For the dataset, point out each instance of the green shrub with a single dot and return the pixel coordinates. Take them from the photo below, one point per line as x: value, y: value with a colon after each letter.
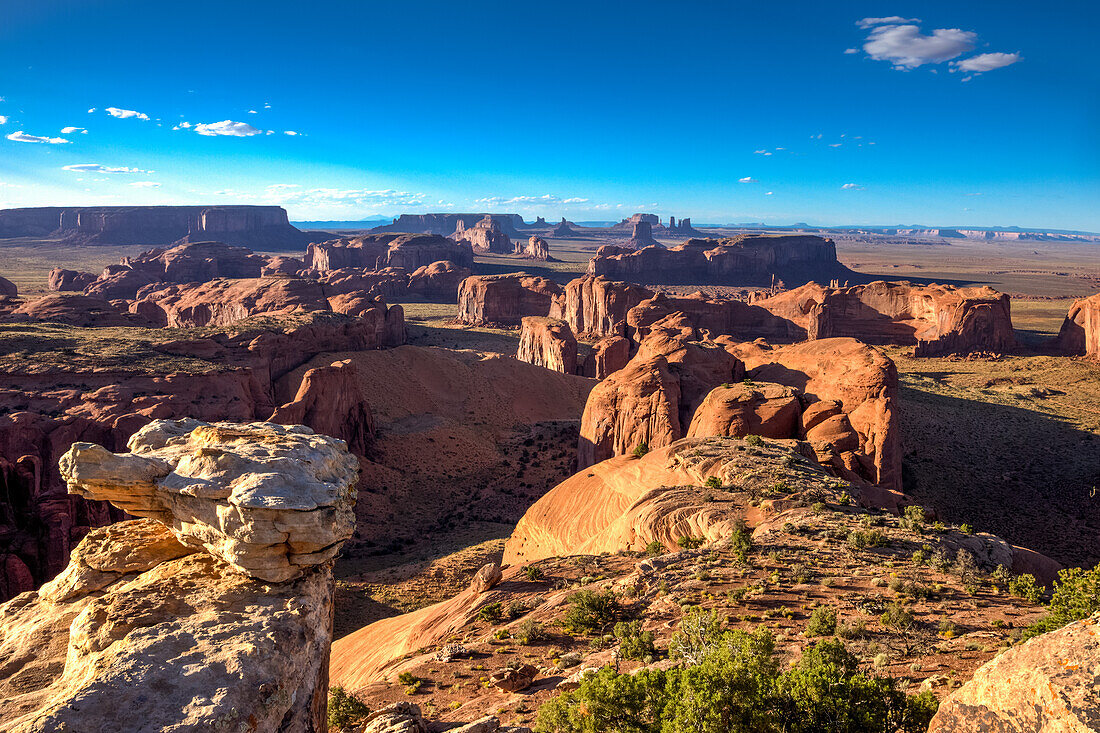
x: 1076, y: 596
x: 654, y: 548
x: 822, y: 622
x: 640, y: 450
x: 741, y: 541
x: 533, y: 572
x: 490, y: 612
x: 699, y: 633
x: 1025, y: 586
x: 754, y: 440
x: 633, y: 642
x: 740, y: 685
x: 690, y: 543
x: 530, y: 632
x: 343, y: 709
x: 713, y: 482
x: 591, y: 612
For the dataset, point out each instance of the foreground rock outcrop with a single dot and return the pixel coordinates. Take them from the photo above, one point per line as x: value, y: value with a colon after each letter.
x: 157, y: 628
x: 1080, y: 332
x: 741, y: 260
x: 504, y: 299
x: 1049, y: 684
x: 548, y: 342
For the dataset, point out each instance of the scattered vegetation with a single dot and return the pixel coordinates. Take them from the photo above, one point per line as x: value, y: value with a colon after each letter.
x: 640, y: 450
x: 822, y: 622
x: 1076, y: 596
x: 344, y: 710
x: 634, y: 643
x: 591, y: 611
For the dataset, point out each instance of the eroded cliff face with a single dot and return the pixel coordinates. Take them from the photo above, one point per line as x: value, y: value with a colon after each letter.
x: 222, y: 620
x: 548, y: 342
x: 1080, y: 332
x: 504, y: 299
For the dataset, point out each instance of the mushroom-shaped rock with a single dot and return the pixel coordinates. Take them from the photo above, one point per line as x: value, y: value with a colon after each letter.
x: 271, y: 500
x: 1047, y: 685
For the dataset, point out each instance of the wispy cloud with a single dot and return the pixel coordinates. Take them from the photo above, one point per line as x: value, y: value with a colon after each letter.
x: 761, y: 152
x: 889, y: 20
x: 986, y: 62
x: 852, y: 187
x: 769, y: 193
x: 71, y: 130
x: 97, y: 168
x: 548, y: 199
x: 291, y: 132
x: 747, y: 179
x: 227, y: 128
x: 22, y: 137
x: 145, y: 184
x: 124, y: 114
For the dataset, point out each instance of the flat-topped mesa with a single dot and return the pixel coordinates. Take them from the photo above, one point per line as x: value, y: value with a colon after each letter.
x: 268, y: 499
x: 548, y: 342
x: 376, y: 251
x: 446, y: 224
x: 937, y: 319
x: 642, y: 236
x: 1080, y: 332
x: 263, y: 227
x: 484, y: 236
x: 504, y: 299
x: 597, y: 306
x: 632, y: 221
x: 741, y: 260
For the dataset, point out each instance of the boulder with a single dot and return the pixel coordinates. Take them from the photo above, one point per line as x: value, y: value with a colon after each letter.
x: 514, y: 679
x: 290, y: 512
x: 504, y: 299
x: 1080, y: 332
x: 1045, y: 685
x: 548, y: 342
x: 69, y: 280
x: 597, y: 306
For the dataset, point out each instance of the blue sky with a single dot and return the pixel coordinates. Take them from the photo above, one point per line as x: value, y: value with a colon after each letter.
x: 983, y: 114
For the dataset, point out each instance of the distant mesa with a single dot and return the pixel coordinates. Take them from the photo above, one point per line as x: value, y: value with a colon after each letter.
x: 262, y: 227
x: 536, y: 249
x: 681, y: 228
x: 756, y: 260
x: 484, y: 236
x: 564, y: 229
x: 378, y: 250
x: 629, y: 223
x: 447, y: 224
x: 642, y: 236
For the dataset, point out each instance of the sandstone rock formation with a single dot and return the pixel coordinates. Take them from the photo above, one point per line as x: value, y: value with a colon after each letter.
x: 630, y: 222
x: 269, y: 500
x: 146, y: 632
x: 737, y: 410
x: 563, y: 230
x: 536, y: 249
x: 69, y: 280
x: 652, y: 399
x: 548, y: 342
x: 608, y: 355
x: 241, y: 375
x: 1080, y: 332
x: 263, y: 227
x: 378, y: 251
x: 438, y: 282
x: 937, y: 319
x: 713, y: 316
x: 510, y: 224
x: 642, y: 236
x: 285, y: 266
x: 597, y: 306
x: 485, y: 236
x: 331, y: 401
x: 683, y: 227
x: 740, y: 260
x: 1046, y: 685
x: 75, y: 310
x: 504, y: 299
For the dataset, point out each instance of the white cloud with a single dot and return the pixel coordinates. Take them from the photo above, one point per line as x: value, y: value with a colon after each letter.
x: 97, y: 168
x: 252, y: 112
x: 835, y: 145
x: 71, y: 130
x: 4, y: 120
x: 986, y: 62
x: 291, y: 132
x: 145, y: 184
x: 91, y: 110
x: 124, y: 114
x: 22, y: 137
x: 906, y: 47
x: 291, y: 194
x: 227, y: 128
x: 851, y: 187
x: 548, y: 199
x: 889, y: 20
x: 747, y: 179
x: 182, y: 126
x: 769, y: 193
x: 851, y: 50
x: 267, y: 105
